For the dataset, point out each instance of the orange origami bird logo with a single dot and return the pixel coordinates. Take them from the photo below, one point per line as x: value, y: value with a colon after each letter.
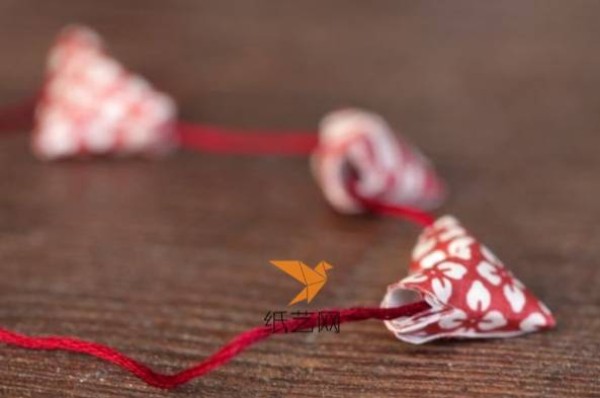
x: 312, y: 279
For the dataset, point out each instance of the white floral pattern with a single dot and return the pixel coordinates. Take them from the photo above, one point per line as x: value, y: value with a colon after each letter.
x: 470, y: 291
x: 478, y: 297
x: 512, y: 288
x: 440, y: 278
x: 533, y: 322
x: 461, y: 322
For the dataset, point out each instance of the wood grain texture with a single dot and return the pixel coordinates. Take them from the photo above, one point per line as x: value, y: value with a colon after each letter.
x: 168, y: 260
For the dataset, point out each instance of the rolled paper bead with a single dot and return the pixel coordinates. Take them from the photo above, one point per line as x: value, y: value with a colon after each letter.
x: 359, y: 155
x: 90, y: 104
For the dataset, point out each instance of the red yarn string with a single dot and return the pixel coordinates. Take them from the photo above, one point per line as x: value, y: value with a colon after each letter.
x: 209, y: 138
x: 226, y: 353
x: 412, y: 214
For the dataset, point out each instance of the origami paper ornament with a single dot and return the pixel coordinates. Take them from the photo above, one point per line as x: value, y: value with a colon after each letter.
x: 359, y: 147
x: 90, y: 104
x: 470, y: 291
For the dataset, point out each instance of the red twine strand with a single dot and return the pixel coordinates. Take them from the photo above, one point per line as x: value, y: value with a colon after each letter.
x: 376, y: 206
x: 208, y: 138
x: 404, y: 213
x: 226, y: 353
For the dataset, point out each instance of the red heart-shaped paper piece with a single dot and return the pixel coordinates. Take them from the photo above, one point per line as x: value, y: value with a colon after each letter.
x: 90, y: 104
x: 470, y: 291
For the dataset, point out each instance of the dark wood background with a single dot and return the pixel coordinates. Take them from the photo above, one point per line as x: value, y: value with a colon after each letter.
x: 168, y: 260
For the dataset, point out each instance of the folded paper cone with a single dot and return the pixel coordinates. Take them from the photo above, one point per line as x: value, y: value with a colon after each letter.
x: 358, y: 149
x: 90, y: 104
x: 470, y: 291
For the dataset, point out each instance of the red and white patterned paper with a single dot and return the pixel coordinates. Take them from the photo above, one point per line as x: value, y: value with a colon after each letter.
x: 90, y: 104
x: 355, y: 145
x: 470, y: 291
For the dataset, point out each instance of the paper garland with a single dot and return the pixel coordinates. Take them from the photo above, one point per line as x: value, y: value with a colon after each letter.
x: 456, y: 288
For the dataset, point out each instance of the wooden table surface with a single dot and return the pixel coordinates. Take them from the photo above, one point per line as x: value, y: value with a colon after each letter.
x: 167, y: 260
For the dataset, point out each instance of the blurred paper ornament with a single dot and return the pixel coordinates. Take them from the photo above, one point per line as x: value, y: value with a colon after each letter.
x: 358, y: 147
x: 470, y: 291
x: 91, y: 105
